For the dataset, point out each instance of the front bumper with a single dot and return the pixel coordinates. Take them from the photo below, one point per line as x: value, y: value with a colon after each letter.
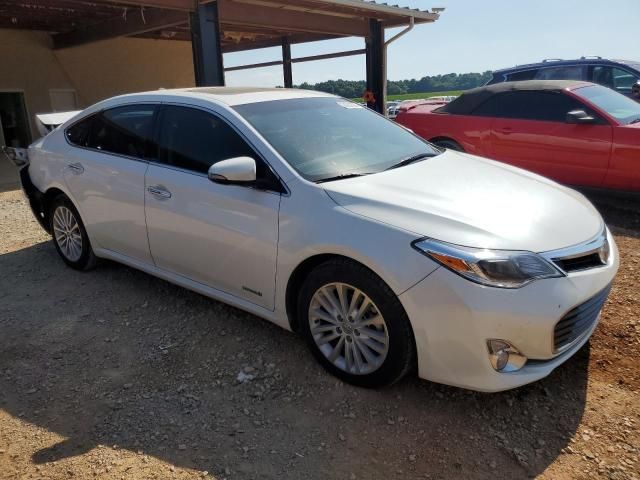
x: 452, y: 319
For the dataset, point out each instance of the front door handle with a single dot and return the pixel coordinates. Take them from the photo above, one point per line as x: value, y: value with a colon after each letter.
x: 159, y: 192
x: 76, y: 168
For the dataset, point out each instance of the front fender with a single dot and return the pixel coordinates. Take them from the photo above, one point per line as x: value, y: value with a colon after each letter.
x: 312, y: 224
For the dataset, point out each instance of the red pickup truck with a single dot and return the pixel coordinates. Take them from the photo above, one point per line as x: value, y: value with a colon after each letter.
x: 577, y: 133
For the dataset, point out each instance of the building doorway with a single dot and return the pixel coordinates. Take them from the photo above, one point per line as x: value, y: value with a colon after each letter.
x: 63, y: 99
x: 14, y: 124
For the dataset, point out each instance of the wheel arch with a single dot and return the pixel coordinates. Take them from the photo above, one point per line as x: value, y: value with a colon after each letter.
x: 47, y: 198
x: 300, y: 273
x: 447, y: 139
x: 295, y: 283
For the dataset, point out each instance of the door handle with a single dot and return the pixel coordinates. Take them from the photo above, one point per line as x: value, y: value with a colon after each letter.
x: 159, y: 192
x: 505, y: 130
x: 76, y: 168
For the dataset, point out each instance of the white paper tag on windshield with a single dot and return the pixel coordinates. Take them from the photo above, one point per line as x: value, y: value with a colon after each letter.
x: 344, y: 104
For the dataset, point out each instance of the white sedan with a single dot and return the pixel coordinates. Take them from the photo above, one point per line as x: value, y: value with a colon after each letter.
x: 385, y: 253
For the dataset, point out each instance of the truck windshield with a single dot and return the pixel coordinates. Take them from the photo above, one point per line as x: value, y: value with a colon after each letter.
x: 332, y: 138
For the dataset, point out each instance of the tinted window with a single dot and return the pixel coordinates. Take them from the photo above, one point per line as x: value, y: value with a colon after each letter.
x: 560, y: 73
x: 615, y: 78
x: 123, y: 130
x: 529, y: 105
x: 78, y: 133
x: 195, y: 140
x: 325, y: 137
x: 518, y: 76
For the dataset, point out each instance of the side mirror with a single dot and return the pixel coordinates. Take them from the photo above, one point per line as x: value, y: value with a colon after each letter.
x: 579, y: 117
x: 240, y: 170
x: 635, y: 90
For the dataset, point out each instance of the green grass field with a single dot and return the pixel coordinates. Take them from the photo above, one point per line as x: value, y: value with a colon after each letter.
x: 411, y: 96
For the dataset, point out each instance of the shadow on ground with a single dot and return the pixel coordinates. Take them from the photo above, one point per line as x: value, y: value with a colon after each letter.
x: 117, y: 357
x: 8, y: 174
x: 620, y: 210
x: 8, y: 186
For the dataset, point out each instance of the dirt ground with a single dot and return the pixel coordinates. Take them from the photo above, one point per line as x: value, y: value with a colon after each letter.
x: 118, y: 375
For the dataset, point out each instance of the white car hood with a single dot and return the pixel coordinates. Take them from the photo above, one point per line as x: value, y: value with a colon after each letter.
x: 471, y: 201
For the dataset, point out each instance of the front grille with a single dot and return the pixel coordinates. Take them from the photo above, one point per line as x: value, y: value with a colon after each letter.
x: 592, y: 254
x: 575, y: 323
x: 575, y: 264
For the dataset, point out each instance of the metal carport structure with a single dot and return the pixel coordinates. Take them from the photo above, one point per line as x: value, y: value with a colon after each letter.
x: 221, y: 26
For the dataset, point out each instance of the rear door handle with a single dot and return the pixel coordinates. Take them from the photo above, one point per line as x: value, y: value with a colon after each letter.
x: 76, y: 168
x: 159, y: 192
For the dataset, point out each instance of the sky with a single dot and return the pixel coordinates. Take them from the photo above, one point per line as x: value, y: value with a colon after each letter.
x: 470, y: 36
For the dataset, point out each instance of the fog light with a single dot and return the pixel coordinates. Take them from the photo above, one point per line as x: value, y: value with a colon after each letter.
x: 504, y: 357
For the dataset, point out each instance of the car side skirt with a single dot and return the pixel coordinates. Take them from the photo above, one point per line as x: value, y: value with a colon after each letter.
x: 194, y: 286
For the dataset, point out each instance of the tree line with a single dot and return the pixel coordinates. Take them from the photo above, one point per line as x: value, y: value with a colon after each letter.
x: 435, y: 83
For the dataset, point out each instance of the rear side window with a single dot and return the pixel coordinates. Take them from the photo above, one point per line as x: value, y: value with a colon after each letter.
x: 519, y: 76
x: 560, y: 73
x: 194, y: 139
x: 529, y: 105
x: 124, y: 130
x: 78, y: 133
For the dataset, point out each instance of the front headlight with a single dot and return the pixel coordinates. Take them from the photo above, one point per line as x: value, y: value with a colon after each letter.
x: 495, y: 268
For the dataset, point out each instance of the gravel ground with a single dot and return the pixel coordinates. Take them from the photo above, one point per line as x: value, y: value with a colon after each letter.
x: 115, y: 374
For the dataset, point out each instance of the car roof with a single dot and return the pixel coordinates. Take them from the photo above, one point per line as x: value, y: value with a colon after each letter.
x: 230, y: 96
x: 471, y: 99
x: 578, y: 61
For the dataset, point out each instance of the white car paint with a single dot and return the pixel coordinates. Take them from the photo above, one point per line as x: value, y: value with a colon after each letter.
x: 216, y: 239
x: 231, y: 231
x: 458, y: 198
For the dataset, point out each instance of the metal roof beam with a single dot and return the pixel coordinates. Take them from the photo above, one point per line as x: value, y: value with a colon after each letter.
x: 136, y: 22
x: 234, y: 13
x: 183, y: 5
x: 273, y: 42
x: 311, y: 58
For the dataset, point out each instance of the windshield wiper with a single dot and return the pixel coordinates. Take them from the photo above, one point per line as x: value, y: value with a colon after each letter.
x: 342, y: 176
x: 411, y: 159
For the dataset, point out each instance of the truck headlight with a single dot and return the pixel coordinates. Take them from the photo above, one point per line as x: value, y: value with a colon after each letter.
x: 495, y: 268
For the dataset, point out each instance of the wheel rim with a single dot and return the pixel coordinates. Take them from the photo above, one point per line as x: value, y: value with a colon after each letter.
x: 348, y: 328
x: 66, y: 231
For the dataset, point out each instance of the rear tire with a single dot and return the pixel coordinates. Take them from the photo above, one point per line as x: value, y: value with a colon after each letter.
x: 449, y: 145
x: 355, y: 325
x: 69, y: 235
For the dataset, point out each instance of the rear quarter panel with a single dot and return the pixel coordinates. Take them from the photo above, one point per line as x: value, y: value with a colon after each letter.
x: 47, y: 162
x: 472, y: 133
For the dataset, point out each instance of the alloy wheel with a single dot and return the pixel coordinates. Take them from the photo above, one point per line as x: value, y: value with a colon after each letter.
x: 348, y: 328
x: 66, y: 231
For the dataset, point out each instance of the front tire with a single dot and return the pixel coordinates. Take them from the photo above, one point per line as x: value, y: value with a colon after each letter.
x: 355, y: 325
x: 69, y: 235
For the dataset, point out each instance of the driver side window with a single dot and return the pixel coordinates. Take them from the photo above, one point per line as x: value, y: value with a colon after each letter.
x: 193, y: 139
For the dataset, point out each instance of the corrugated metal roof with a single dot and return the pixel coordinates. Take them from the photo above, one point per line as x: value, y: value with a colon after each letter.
x: 387, y: 8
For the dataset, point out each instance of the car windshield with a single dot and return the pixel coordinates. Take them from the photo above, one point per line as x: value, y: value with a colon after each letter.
x: 329, y: 137
x: 622, y: 108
